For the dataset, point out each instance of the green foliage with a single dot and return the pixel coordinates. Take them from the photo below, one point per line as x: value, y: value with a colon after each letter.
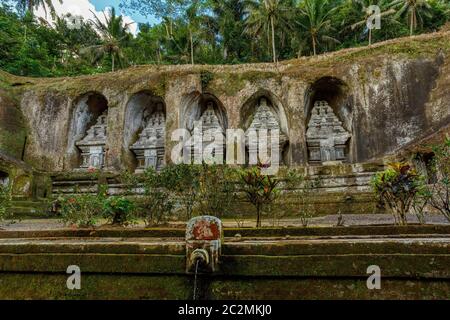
x: 157, y: 205
x: 398, y: 187
x: 206, y: 77
x: 204, y: 32
x: 439, y: 190
x: 114, y: 35
x: 183, y: 181
x: 5, y: 201
x: 260, y: 189
x: 217, y: 190
x: 82, y: 209
x: 119, y: 210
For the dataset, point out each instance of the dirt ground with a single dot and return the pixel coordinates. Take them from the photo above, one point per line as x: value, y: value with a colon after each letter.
x: 324, y: 221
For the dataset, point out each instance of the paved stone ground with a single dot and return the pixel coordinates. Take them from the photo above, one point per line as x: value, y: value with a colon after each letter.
x: 324, y: 221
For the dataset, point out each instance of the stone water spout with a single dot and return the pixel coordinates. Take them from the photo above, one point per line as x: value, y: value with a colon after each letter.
x: 203, y: 244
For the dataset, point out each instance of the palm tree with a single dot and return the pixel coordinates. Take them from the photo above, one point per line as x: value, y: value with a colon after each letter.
x: 413, y: 9
x: 31, y: 5
x: 316, y: 21
x: 364, y: 6
x: 114, y: 32
x: 265, y: 15
x: 193, y: 21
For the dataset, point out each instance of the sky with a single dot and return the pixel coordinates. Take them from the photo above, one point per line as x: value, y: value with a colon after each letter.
x: 84, y: 7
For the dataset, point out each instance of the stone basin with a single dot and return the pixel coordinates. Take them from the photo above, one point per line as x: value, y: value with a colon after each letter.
x: 289, y: 263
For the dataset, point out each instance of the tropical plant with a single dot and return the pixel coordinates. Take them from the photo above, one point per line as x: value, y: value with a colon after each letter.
x: 439, y: 190
x: 260, y: 189
x: 414, y: 10
x: 398, y: 187
x: 315, y: 20
x: 364, y: 6
x: 119, y: 210
x: 264, y: 16
x: 31, y: 5
x: 114, y: 34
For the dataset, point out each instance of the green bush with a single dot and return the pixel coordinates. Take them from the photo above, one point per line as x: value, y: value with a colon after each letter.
x: 5, y: 201
x: 439, y: 190
x: 157, y: 205
x: 183, y: 182
x: 217, y: 190
x: 398, y: 187
x: 82, y: 210
x: 119, y: 210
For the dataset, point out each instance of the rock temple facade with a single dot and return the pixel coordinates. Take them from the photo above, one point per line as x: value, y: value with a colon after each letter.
x: 342, y: 117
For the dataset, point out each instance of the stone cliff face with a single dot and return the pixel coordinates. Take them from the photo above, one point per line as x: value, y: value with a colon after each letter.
x: 387, y: 97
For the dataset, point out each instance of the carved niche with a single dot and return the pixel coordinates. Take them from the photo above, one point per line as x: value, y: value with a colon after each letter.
x: 211, y: 129
x: 149, y: 148
x: 325, y: 136
x: 92, y: 146
x: 264, y: 119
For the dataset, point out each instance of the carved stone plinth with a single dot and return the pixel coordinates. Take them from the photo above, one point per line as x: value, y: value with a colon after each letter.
x: 326, y: 138
x: 149, y: 148
x: 92, y: 146
x: 212, y: 137
x: 264, y: 120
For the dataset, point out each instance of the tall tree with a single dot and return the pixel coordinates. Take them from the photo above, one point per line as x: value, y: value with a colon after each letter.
x: 364, y: 6
x: 31, y: 5
x: 316, y: 21
x: 413, y: 10
x: 114, y: 33
x: 266, y: 16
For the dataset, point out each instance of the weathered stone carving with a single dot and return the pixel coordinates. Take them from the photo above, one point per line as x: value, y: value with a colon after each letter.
x: 326, y: 138
x: 92, y: 146
x: 149, y: 148
x: 264, y: 119
x: 212, y: 146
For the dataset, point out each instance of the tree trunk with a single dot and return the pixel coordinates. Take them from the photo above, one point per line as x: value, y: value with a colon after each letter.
x: 274, y: 51
x: 411, y: 22
x: 192, y: 46
x: 314, y: 44
x: 31, y: 6
x: 370, y: 36
x: 112, y: 62
x: 258, y: 216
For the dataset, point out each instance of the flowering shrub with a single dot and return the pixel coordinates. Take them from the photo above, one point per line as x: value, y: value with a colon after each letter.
x: 398, y: 187
x: 118, y: 210
x: 82, y: 210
